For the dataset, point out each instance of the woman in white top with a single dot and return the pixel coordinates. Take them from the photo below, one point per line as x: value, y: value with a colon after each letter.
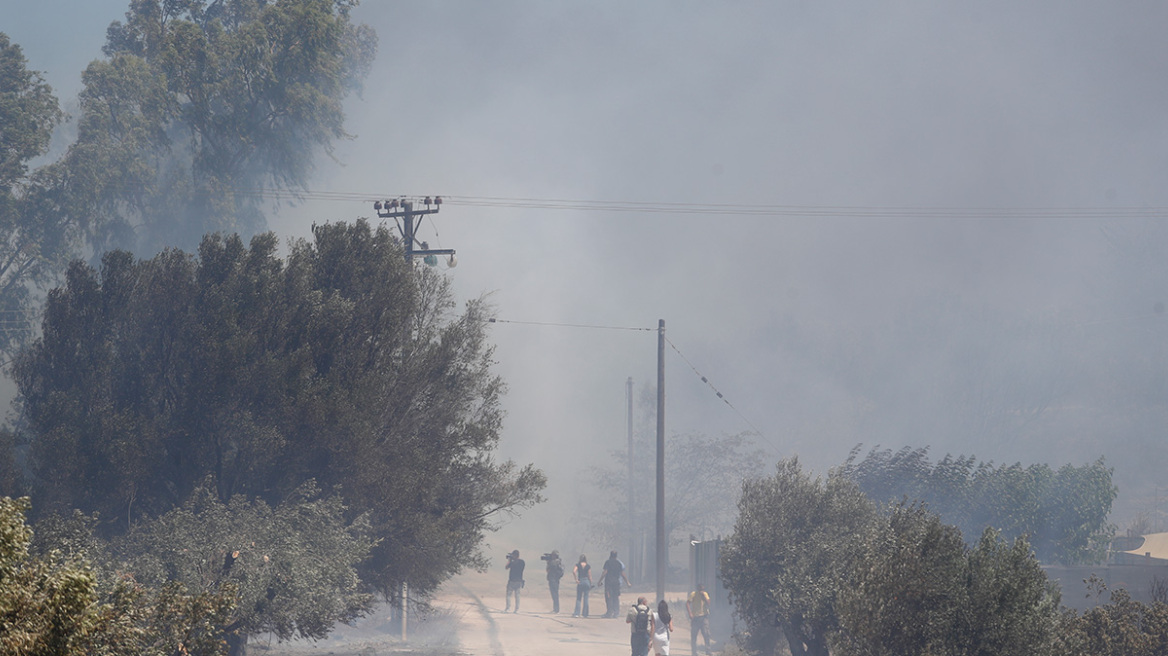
x: 662, y: 627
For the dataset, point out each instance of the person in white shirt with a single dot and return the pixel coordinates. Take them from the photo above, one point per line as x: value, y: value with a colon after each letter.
x: 662, y: 627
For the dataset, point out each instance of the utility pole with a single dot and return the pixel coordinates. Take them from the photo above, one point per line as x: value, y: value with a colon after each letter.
x: 632, y: 522
x: 404, y: 209
x: 662, y: 547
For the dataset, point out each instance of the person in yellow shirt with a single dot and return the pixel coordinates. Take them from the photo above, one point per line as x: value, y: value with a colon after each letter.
x: 698, y: 609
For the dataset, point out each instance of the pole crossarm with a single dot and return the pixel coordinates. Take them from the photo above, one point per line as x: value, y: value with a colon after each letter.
x: 400, y: 208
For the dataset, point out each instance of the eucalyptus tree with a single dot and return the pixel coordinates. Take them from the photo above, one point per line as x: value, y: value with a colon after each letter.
x: 35, y: 239
x: 202, y: 109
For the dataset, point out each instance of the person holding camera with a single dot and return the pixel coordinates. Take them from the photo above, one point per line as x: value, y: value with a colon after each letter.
x: 515, y: 579
x: 555, y: 572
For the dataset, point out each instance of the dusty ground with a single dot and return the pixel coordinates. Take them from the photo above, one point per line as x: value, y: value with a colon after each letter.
x: 469, y: 620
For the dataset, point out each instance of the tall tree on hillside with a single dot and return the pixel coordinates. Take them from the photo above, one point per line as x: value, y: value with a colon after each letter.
x: 200, y: 108
x: 340, y: 364
x: 35, y: 241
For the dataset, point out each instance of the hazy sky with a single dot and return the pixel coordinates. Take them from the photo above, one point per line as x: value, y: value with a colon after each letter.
x: 852, y: 320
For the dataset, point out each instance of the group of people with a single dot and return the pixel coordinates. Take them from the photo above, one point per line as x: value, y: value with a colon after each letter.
x: 648, y: 627
x: 655, y: 627
x: 611, y: 575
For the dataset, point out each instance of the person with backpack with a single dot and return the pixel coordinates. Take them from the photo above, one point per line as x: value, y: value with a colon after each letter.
x: 662, y: 627
x: 555, y: 572
x: 640, y: 623
x: 582, y: 572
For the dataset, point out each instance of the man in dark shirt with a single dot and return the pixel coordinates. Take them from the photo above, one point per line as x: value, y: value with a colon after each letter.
x: 515, y: 579
x: 614, y: 571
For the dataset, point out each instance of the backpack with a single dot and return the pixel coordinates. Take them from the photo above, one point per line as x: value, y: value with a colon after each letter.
x: 556, y: 569
x: 641, y: 623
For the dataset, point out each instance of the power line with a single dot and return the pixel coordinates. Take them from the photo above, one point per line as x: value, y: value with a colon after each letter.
x: 719, y: 394
x: 671, y: 344
x: 567, y: 325
x: 734, y: 209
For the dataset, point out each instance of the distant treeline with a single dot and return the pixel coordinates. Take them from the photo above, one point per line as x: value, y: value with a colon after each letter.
x: 1063, y: 513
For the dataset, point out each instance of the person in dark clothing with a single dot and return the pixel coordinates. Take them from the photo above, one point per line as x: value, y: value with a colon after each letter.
x: 582, y: 572
x: 555, y: 572
x: 614, y: 571
x: 514, y: 579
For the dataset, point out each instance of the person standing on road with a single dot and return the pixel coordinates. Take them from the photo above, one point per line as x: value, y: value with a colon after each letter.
x: 582, y: 572
x: 640, y: 623
x: 662, y: 627
x: 514, y: 579
x: 614, y: 571
x: 698, y: 609
x: 555, y: 572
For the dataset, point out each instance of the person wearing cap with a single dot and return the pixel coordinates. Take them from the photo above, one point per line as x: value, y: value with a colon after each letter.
x: 514, y: 579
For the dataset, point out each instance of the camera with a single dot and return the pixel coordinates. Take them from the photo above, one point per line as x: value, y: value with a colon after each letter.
x: 510, y: 557
x: 547, y: 556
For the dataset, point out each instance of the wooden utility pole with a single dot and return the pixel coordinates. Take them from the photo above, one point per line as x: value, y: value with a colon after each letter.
x: 404, y: 209
x: 662, y: 547
x: 631, y: 554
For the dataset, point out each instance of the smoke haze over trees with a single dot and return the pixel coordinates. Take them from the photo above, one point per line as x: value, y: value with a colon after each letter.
x: 1062, y: 513
x: 878, y: 296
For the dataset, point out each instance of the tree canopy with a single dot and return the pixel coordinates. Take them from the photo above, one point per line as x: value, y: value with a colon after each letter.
x: 340, y: 364
x: 35, y: 240
x: 815, y: 561
x: 201, y: 106
x: 1063, y: 513
x: 291, y: 569
x: 794, y: 544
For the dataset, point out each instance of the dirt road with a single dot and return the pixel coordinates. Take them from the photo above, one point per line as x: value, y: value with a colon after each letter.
x: 469, y: 621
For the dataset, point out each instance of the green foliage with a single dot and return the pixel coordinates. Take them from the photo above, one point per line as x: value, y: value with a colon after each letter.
x: 1063, y: 513
x: 815, y: 559
x: 28, y: 112
x: 34, y: 239
x: 291, y: 570
x: 44, y: 609
x: 1123, y: 627
x: 917, y: 589
x: 199, y: 107
x: 793, y: 546
x: 341, y: 365
x: 50, y: 605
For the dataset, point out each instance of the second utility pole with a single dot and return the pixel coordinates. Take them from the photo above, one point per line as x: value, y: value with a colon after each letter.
x: 662, y: 547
